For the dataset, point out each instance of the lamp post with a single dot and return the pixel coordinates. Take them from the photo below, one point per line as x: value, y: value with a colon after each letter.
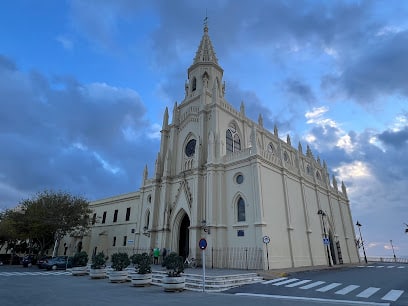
x: 362, y: 241
x: 322, y: 214
x: 393, y: 252
x: 205, y: 227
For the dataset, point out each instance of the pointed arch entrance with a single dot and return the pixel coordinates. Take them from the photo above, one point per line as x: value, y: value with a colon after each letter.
x: 184, y: 237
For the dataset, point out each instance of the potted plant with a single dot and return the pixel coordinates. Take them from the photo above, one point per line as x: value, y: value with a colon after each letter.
x: 143, y: 269
x: 98, y: 266
x: 174, y: 280
x: 119, y: 262
x: 79, y: 264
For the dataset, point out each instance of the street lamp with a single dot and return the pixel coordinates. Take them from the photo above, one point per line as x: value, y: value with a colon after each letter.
x: 145, y: 231
x: 322, y: 213
x: 362, y: 242
x: 205, y: 227
x: 393, y: 252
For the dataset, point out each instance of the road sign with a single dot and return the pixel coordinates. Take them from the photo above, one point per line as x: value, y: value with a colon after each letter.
x: 266, y: 239
x: 202, y: 244
x: 326, y: 241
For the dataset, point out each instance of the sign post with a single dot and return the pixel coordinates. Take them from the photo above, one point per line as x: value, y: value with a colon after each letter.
x: 266, y: 240
x: 203, y: 245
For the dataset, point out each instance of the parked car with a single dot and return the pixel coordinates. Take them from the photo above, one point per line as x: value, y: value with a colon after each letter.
x: 59, y: 262
x: 42, y: 260
x: 29, y: 260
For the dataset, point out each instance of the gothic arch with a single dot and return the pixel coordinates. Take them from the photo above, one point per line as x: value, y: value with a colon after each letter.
x: 233, y: 138
x: 193, y: 84
x: 179, y: 239
x: 236, y: 202
x: 147, y: 219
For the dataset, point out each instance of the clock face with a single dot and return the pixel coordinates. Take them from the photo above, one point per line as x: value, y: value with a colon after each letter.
x: 190, y: 148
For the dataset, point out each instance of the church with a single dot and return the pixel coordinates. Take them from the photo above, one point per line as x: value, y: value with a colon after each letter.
x: 258, y: 202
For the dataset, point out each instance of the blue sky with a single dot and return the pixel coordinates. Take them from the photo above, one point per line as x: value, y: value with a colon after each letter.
x: 83, y: 87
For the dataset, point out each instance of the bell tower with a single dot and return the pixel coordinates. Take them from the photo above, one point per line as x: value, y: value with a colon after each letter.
x: 205, y: 74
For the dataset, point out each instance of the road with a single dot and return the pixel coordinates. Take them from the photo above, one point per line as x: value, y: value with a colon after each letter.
x: 32, y: 287
x: 376, y: 284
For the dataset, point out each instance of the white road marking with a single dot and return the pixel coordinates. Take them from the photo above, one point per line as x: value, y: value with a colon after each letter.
x: 299, y: 283
x: 300, y: 298
x: 368, y: 292
x: 291, y: 280
x: 347, y: 289
x: 401, y: 267
x: 389, y: 267
x: 32, y: 273
x: 392, y: 295
x: 380, y: 266
x: 274, y: 280
x: 328, y: 287
x: 312, y: 285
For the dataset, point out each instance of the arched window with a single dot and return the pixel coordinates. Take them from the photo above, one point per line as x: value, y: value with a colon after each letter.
x: 147, y: 220
x: 241, y: 209
x: 194, y: 87
x: 232, y: 140
x: 271, y: 148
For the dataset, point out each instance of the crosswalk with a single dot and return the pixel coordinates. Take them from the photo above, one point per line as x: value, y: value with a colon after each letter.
x: 35, y: 273
x: 341, y: 289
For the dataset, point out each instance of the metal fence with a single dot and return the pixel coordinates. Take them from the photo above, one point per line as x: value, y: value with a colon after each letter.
x: 386, y: 259
x: 243, y: 258
x: 235, y: 258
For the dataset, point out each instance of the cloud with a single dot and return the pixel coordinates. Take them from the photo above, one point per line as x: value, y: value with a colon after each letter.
x: 375, y: 73
x: 69, y: 134
x: 299, y: 91
x: 65, y: 42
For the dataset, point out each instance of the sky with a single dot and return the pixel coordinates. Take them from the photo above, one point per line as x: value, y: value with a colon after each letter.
x: 84, y: 85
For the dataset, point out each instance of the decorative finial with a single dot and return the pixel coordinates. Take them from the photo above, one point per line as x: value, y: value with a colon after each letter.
x: 206, y: 22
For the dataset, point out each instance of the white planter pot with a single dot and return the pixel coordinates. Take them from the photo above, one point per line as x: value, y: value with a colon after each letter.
x: 118, y: 276
x: 141, y: 280
x: 97, y: 273
x: 78, y: 271
x: 171, y: 284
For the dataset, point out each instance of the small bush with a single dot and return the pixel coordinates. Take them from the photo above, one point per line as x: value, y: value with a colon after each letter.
x: 99, y: 261
x: 174, y: 264
x: 79, y: 259
x: 120, y: 261
x: 142, y: 263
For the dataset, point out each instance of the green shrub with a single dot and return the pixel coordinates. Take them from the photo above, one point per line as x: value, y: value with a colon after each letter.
x: 142, y: 263
x: 120, y: 261
x: 79, y: 259
x: 99, y: 261
x: 174, y: 265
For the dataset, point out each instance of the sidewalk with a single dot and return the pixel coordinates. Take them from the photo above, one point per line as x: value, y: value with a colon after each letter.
x: 266, y: 274
x: 275, y: 273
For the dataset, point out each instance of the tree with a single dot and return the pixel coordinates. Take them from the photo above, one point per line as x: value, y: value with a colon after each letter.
x: 46, y: 218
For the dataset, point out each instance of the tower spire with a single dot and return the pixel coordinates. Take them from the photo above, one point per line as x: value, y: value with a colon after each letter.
x: 205, y: 52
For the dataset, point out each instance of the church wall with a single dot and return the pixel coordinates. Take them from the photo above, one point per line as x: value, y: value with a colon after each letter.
x: 349, y: 234
x: 275, y: 218
x: 300, y: 243
x: 316, y: 228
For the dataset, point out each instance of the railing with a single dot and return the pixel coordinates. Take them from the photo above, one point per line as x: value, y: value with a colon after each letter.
x: 244, y: 258
x: 386, y: 259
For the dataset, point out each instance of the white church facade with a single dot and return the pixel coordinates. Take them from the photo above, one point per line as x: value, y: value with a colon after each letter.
x: 259, y: 202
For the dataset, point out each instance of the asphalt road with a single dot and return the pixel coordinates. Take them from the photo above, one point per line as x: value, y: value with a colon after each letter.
x: 31, y: 286
x: 385, y: 284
